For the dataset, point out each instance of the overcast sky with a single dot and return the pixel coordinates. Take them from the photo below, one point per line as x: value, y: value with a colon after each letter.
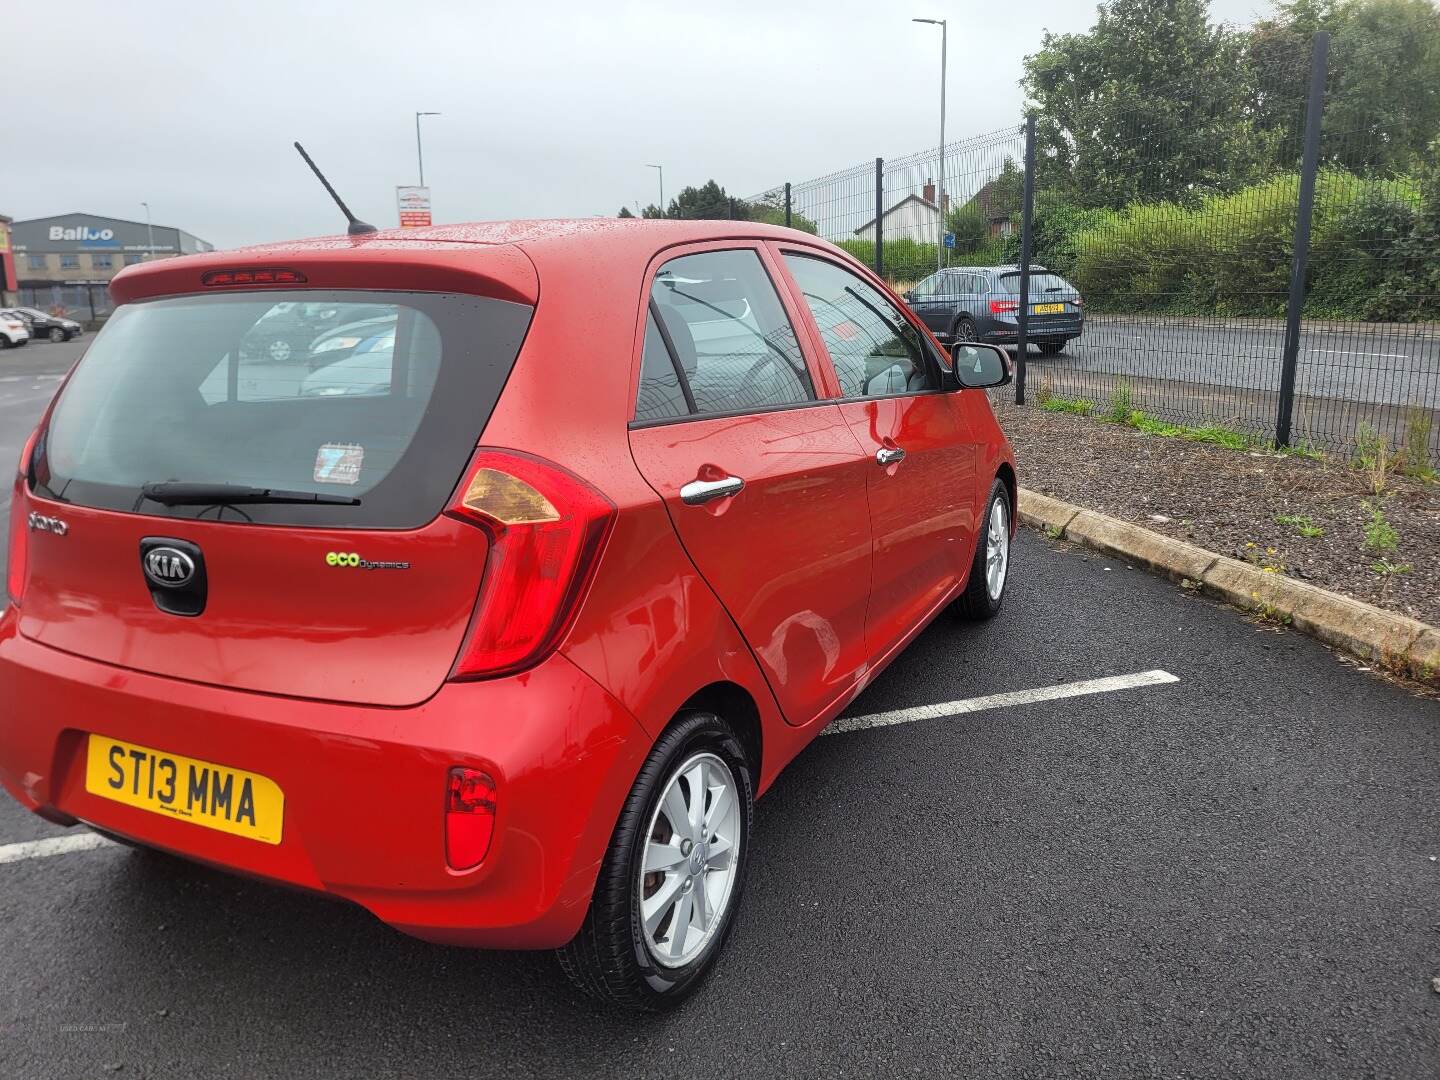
x: 551, y: 108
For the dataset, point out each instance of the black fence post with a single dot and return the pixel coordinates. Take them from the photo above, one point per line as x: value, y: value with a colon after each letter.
x: 1027, y: 213
x: 787, y: 204
x: 1310, y: 166
x: 879, y: 217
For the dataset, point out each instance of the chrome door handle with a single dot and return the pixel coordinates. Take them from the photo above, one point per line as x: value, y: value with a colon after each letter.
x: 889, y: 455
x: 699, y: 492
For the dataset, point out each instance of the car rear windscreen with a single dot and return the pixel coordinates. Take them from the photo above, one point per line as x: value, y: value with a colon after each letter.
x: 373, y: 396
x: 1039, y: 284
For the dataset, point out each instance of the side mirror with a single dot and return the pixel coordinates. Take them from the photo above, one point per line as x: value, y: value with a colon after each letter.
x: 977, y: 367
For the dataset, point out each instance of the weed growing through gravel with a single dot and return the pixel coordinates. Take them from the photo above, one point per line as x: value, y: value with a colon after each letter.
x: 1415, y: 458
x: 1213, y: 434
x: 1075, y: 406
x: 1385, y: 568
x: 1373, y: 458
x: 1266, y: 559
x: 1301, y: 524
x: 1305, y: 450
x: 1380, y: 535
x: 1120, y: 406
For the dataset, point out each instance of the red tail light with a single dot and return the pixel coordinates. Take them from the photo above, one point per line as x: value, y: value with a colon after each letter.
x: 547, y: 528
x: 19, y: 529
x: 469, y: 817
x: 1004, y: 307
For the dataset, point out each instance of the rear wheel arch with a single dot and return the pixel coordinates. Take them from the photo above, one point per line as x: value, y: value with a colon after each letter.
x: 733, y: 704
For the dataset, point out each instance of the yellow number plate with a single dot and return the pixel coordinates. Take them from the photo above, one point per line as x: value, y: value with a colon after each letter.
x: 1049, y: 309
x: 201, y: 792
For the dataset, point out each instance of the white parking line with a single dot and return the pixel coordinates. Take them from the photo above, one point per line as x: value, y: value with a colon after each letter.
x: 1000, y: 701
x: 64, y: 845
x: 54, y: 845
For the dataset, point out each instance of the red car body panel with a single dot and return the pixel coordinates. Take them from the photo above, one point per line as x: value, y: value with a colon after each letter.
x: 303, y: 633
x: 790, y: 598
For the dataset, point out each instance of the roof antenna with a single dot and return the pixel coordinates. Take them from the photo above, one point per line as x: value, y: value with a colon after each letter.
x: 357, y: 227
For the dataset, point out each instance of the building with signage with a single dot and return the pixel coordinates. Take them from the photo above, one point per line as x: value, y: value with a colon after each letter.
x: 64, y: 263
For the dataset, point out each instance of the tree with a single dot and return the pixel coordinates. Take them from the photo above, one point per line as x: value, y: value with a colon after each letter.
x: 1382, y: 103
x: 625, y: 212
x: 708, y: 201
x: 770, y: 209
x: 1144, y: 106
x: 652, y: 211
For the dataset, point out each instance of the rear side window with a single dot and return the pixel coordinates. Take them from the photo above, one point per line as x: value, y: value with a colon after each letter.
x: 661, y: 395
x: 378, y: 397
x: 728, y: 334
x: 875, y: 350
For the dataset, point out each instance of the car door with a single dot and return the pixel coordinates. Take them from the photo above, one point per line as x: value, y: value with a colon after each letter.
x: 918, y: 443
x: 763, y: 480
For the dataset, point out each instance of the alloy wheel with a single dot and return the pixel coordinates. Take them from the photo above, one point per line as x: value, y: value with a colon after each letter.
x: 691, y: 859
x: 997, y: 549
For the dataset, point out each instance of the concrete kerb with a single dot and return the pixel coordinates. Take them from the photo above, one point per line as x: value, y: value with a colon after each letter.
x: 1397, y: 642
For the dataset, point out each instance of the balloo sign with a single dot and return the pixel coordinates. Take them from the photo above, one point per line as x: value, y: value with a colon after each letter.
x: 414, y: 204
x: 83, y: 234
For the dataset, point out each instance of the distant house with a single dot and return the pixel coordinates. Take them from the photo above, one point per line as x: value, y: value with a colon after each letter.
x: 998, y: 203
x: 915, y: 217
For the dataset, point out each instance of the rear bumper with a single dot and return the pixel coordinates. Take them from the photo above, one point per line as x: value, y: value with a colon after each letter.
x: 1005, y: 330
x: 364, y: 787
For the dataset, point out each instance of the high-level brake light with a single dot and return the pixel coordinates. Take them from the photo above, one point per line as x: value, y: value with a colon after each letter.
x: 268, y: 276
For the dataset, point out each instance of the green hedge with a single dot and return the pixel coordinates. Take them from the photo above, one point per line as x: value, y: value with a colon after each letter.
x: 1373, y: 253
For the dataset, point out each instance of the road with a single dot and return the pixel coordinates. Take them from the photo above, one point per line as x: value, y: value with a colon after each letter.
x: 1230, y: 875
x: 1383, y: 364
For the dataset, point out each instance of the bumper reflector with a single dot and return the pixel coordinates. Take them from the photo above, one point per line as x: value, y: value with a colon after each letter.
x: 469, y: 817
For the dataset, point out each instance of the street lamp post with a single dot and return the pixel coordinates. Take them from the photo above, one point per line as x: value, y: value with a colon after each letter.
x: 661, y: 169
x: 149, y: 228
x: 940, y: 231
x: 419, y: 153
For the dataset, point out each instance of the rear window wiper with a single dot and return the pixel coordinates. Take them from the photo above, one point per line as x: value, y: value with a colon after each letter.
x: 174, y: 493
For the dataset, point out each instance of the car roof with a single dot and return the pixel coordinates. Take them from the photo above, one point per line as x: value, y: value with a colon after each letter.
x: 444, y: 253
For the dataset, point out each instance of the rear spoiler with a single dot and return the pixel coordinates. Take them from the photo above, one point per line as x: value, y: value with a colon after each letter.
x: 500, y: 271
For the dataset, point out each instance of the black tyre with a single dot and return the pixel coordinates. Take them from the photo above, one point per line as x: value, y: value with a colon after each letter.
x: 57, y: 334
x: 963, y: 330
x: 666, y: 896
x: 1050, y: 348
x: 990, y: 571
x: 5, y: 342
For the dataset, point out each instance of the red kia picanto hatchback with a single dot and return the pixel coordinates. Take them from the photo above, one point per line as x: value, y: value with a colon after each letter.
x: 494, y: 605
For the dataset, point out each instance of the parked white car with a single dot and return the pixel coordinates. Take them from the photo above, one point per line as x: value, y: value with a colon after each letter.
x: 13, y: 330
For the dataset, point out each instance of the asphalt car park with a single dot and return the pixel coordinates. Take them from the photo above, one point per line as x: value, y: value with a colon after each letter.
x: 1229, y: 874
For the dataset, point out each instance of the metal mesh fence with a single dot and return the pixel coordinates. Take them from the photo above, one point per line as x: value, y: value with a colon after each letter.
x: 1183, y: 242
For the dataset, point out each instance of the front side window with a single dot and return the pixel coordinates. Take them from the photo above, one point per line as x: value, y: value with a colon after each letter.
x: 931, y: 286
x: 875, y: 350
x: 729, y: 334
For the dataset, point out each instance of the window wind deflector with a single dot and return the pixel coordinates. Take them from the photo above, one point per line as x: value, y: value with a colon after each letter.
x: 175, y: 493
